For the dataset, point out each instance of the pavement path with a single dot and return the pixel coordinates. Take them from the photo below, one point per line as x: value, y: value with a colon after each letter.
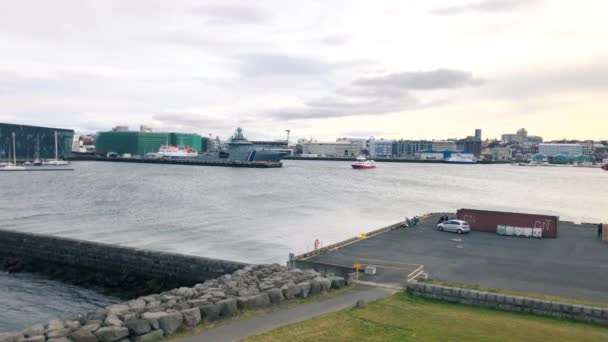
x: 241, y: 329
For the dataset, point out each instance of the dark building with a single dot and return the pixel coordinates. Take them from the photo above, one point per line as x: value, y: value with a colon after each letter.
x: 34, y: 141
x: 472, y: 145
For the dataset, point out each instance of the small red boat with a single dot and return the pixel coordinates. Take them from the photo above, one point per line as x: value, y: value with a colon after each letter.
x: 363, y: 163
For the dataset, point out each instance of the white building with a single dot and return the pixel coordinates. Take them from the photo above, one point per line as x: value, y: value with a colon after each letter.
x: 380, y: 148
x: 444, y: 145
x: 330, y: 149
x: 362, y: 143
x: 551, y: 150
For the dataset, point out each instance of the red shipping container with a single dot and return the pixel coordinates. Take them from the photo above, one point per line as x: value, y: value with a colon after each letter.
x: 488, y: 221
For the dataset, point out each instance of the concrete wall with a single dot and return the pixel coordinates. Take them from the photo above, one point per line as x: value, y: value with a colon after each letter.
x: 109, y: 258
x: 510, y: 303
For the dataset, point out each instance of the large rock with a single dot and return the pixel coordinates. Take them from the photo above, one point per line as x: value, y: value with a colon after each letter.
x: 289, y: 290
x: 118, y: 309
x: 72, y: 324
x: 227, y: 307
x: 192, y: 317
x: 171, y: 322
x: 32, y: 339
x: 185, y: 292
x: 113, y: 321
x: 153, y: 318
x: 11, y: 337
x: 244, y: 303
x: 152, y: 336
x: 210, y: 312
x: 59, y: 339
x: 58, y: 333
x: 303, y: 289
x: 197, y: 303
x: 111, y: 334
x: 91, y: 327
x: 137, y: 305
x: 337, y: 282
x: 54, y: 324
x: 138, y: 326
x: 34, y: 330
x: 315, y: 287
x: 83, y: 335
x: 275, y: 295
x: 324, y: 282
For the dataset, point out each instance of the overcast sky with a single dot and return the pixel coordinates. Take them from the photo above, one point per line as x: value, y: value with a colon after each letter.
x: 324, y: 69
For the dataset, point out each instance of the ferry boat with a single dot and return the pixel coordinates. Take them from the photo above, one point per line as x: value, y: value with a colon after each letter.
x: 363, y: 163
x: 174, y: 152
x: 459, y: 159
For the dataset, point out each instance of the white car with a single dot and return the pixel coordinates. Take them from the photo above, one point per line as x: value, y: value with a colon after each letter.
x: 457, y: 226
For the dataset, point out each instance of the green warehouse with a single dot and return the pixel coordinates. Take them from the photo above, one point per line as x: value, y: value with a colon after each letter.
x: 140, y: 143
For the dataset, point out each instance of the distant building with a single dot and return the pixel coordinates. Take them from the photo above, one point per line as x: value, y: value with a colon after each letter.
x: 330, y: 149
x: 449, y: 145
x: 500, y: 153
x: 520, y: 137
x: 361, y: 142
x: 588, y: 148
x: 380, y: 148
x: 145, y: 129
x: 120, y: 129
x: 430, y: 155
x: 27, y: 138
x: 140, y: 143
x: 478, y: 134
x: 568, y: 150
x: 408, y: 148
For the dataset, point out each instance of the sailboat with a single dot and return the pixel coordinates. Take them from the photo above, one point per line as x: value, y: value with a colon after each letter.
x: 37, y: 161
x: 13, y: 166
x: 56, y: 161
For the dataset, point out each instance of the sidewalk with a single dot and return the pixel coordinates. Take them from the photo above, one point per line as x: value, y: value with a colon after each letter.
x: 260, y: 324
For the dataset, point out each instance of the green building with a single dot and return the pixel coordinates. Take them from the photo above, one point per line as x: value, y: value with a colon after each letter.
x: 34, y: 141
x: 140, y: 143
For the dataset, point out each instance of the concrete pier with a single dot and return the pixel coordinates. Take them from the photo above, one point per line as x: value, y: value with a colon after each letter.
x: 224, y: 163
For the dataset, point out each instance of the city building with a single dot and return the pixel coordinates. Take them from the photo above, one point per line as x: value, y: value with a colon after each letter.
x: 520, y: 137
x: 430, y: 155
x: 440, y: 145
x: 588, y: 148
x: 408, y: 148
x: 139, y: 143
x: 553, y: 150
x: 380, y: 148
x: 361, y: 142
x: 330, y: 149
x: 500, y: 153
x: 34, y: 141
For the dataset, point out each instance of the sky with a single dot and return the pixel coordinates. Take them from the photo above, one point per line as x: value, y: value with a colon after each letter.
x: 429, y: 69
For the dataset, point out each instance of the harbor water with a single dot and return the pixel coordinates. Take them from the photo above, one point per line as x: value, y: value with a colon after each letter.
x: 257, y: 215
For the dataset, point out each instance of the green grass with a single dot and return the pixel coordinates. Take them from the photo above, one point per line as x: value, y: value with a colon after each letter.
x: 518, y: 293
x: 403, y: 317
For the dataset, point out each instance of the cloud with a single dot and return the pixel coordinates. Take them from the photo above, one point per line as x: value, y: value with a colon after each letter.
x: 421, y: 80
x: 233, y: 14
x: 191, y: 122
x: 487, y: 6
x: 268, y: 64
x: 336, y: 39
x: 380, y: 95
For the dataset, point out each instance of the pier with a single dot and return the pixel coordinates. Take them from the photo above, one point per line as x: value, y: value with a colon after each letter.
x: 193, y: 162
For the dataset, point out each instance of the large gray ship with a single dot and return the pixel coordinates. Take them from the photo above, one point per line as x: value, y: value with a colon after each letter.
x: 238, y: 148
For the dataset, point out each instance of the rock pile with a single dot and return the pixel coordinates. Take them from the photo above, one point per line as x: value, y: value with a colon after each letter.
x: 150, y: 318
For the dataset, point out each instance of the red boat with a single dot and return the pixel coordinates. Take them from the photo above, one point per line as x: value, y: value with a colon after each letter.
x: 363, y: 163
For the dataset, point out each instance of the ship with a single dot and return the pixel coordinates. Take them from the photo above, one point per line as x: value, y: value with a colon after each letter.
x: 460, y: 159
x: 174, y: 152
x: 363, y: 163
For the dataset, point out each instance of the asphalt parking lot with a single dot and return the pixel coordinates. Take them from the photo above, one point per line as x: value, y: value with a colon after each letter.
x: 573, y: 265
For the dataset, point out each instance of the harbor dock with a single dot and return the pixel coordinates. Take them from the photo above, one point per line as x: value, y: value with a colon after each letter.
x: 572, y: 265
x: 194, y: 162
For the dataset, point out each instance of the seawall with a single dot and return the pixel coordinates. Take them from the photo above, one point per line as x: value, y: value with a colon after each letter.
x: 82, y: 260
x: 194, y: 162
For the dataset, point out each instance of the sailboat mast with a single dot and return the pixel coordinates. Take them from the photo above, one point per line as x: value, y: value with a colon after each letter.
x: 56, y: 153
x: 14, y: 152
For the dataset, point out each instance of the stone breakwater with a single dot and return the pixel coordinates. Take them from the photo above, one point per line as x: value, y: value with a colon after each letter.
x: 500, y: 301
x: 153, y: 317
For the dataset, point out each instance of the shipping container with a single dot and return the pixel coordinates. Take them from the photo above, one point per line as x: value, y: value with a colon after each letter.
x: 488, y: 221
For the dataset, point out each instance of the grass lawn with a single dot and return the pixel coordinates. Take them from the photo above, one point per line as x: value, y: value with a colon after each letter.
x: 403, y: 317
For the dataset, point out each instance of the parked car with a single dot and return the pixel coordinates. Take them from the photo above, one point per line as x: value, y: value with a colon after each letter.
x: 457, y: 226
